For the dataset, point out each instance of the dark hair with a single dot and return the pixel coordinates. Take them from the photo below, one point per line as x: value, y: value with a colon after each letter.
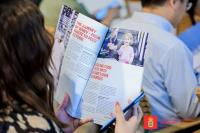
x: 146, y: 3
x: 25, y: 50
x: 191, y: 12
x: 37, y: 2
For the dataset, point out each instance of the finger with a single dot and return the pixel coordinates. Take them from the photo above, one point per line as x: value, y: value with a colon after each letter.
x: 140, y: 113
x: 81, y: 122
x: 129, y: 100
x: 119, y: 114
x: 128, y: 114
x: 137, y: 117
x: 76, y: 123
x: 130, y: 111
x: 135, y: 111
x: 64, y: 103
x: 133, y: 120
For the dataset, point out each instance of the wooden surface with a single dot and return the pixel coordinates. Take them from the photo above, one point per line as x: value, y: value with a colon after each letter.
x: 180, y: 126
x: 198, y: 93
x: 197, y: 131
x: 184, y: 124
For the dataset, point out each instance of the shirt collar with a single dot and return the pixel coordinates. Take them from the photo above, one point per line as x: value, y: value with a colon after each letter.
x: 155, y: 20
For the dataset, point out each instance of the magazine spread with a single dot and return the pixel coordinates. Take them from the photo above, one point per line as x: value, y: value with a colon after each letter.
x: 116, y: 76
x: 95, y: 65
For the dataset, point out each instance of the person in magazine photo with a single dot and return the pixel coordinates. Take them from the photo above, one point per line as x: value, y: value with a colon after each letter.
x: 135, y: 46
x: 109, y: 42
x: 126, y: 52
x: 125, y: 49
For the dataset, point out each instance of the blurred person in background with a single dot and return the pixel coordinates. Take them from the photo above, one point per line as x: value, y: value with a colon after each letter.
x: 192, y: 11
x: 188, y: 19
x: 192, y: 39
x: 190, y: 36
x: 169, y: 80
x: 51, y: 10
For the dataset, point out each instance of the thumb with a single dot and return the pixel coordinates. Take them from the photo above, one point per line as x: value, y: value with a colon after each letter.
x: 81, y: 122
x: 64, y: 103
x: 119, y: 114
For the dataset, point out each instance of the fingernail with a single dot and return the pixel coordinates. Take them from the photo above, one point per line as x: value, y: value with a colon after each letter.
x: 117, y: 105
x: 129, y: 100
x: 91, y: 120
x: 65, y: 99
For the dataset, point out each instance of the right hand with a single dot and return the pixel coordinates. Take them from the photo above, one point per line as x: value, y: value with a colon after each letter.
x: 130, y: 125
x: 111, y: 46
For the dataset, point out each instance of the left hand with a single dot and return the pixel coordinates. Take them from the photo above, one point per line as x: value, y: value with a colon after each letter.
x: 62, y: 115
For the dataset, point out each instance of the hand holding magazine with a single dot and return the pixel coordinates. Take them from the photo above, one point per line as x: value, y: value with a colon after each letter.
x: 96, y: 65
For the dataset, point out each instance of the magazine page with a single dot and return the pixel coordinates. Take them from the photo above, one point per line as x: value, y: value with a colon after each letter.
x: 80, y: 46
x: 64, y: 28
x: 117, y: 74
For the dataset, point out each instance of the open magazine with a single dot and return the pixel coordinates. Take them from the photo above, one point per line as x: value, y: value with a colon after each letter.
x: 96, y: 65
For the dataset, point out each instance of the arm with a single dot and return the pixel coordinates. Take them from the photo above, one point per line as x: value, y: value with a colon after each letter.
x: 180, y: 82
x: 132, y: 56
x: 120, y: 51
x: 112, y: 14
x: 111, y: 46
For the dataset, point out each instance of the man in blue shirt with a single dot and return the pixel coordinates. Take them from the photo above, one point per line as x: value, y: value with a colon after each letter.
x: 192, y: 39
x: 169, y: 80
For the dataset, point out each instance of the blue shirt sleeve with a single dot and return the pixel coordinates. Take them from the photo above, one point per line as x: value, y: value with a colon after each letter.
x: 180, y: 81
x: 191, y: 37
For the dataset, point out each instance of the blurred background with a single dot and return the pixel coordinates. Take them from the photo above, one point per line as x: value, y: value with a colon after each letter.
x: 107, y: 12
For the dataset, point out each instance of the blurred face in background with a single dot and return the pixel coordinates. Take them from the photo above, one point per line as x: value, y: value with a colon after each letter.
x: 197, y: 8
x: 180, y: 8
